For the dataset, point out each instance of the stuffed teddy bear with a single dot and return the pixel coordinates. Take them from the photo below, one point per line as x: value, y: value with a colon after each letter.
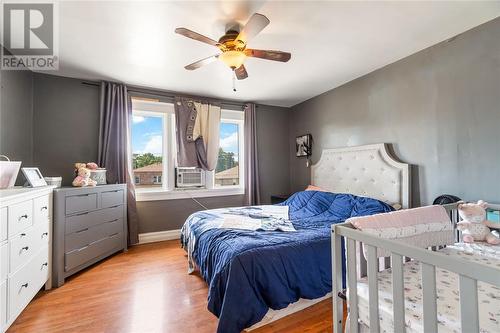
x: 474, y: 225
x: 82, y: 176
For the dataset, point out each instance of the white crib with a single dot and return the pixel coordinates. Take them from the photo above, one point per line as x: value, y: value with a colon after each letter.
x: 356, y: 266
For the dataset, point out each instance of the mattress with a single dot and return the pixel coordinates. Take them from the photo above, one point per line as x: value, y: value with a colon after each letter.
x: 448, y: 303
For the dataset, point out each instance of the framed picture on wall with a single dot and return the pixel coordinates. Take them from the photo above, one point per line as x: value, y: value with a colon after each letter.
x: 34, y: 177
x: 303, y: 145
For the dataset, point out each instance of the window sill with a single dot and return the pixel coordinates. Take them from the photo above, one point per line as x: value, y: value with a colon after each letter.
x: 159, y: 194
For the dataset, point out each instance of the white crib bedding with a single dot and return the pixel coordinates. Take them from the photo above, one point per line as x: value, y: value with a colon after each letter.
x: 448, y: 304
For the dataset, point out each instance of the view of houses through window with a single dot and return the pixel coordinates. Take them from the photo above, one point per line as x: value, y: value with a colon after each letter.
x: 227, y: 170
x: 147, y: 149
x: 149, y: 137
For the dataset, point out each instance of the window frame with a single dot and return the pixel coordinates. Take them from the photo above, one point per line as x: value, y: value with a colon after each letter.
x: 235, y: 117
x: 168, y: 191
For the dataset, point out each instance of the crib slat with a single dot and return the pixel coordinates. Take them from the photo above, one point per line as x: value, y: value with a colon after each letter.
x: 337, y: 282
x: 372, y: 268
x: 429, y: 297
x: 361, y: 260
x: 353, y: 285
x: 398, y: 293
x: 469, y: 305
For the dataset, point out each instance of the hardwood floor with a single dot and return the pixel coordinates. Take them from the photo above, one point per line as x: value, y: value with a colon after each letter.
x: 144, y: 290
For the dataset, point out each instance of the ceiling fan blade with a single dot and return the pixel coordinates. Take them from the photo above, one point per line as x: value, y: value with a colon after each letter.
x: 202, y: 62
x: 255, y: 24
x: 241, y: 72
x: 196, y: 36
x: 268, y: 55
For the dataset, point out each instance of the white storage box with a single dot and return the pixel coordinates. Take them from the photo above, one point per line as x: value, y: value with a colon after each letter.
x: 8, y: 172
x: 99, y: 175
x: 56, y: 181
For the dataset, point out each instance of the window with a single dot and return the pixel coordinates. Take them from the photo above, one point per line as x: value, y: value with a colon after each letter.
x: 147, y: 148
x: 228, y: 171
x: 154, y: 154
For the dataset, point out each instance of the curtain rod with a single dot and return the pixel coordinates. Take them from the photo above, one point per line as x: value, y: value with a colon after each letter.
x: 169, y: 95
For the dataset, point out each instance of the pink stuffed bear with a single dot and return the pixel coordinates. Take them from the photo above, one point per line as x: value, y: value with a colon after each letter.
x: 92, y: 166
x: 474, y: 225
x: 82, y: 176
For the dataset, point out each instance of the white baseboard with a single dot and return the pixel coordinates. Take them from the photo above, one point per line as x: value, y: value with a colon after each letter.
x: 159, y: 236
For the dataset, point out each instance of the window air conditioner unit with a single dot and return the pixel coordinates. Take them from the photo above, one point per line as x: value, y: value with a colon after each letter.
x: 189, y: 177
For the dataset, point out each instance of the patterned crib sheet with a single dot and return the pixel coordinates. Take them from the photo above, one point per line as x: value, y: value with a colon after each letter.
x: 448, y: 303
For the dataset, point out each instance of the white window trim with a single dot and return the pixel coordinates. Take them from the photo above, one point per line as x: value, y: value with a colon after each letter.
x: 168, y: 190
x: 178, y: 193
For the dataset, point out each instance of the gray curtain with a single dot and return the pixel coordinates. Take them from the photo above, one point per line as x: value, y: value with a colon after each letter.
x: 252, y: 181
x: 115, y: 146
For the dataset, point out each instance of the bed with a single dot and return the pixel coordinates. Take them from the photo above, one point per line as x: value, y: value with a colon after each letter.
x: 453, y: 288
x: 282, y: 272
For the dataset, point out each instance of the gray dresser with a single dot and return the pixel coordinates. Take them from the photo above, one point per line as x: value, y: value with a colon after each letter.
x: 89, y: 225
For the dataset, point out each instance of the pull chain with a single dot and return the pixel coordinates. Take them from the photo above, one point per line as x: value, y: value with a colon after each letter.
x: 234, y: 81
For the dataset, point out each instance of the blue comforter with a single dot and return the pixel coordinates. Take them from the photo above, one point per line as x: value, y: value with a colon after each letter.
x: 249, y: 272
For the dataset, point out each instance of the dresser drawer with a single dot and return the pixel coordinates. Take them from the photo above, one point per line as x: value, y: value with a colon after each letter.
x: 3, y: 303
x: 81, y: 256
x: 26, y: 282
x: 41, y: 235
x: 81, y: 203
x: 4, y: 261
x: 3, y: 224
x: 40, y: 269
x: 21, y: 248
x: 41, y: 209
x: 83, y: 221
x: 20, y: 217
x: 111, y: 198
x: 82, y: 238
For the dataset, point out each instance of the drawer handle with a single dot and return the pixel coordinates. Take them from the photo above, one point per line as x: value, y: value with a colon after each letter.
x: 23, y: 235
x: 44, y: 265
x: 82, y: 214
x: 25, y: 285
x: 25, y: 216
x: 44, y: 207
x: 112, y: 221
x: 83, y: 248
x: 83, y: 230
x: 45, y: 234
x: 113, y: 235
x: 25, y: 248
x: 83, y: 195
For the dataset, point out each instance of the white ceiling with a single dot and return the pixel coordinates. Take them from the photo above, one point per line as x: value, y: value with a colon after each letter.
x: 331, y: 42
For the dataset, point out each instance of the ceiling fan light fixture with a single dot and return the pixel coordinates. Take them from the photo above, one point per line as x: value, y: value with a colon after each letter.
x: 233, y: 59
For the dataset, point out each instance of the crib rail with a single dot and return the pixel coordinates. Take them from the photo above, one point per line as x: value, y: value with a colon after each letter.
x: 469, y: 273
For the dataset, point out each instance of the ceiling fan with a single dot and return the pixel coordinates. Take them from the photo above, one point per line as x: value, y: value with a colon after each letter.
x: 233, y: 47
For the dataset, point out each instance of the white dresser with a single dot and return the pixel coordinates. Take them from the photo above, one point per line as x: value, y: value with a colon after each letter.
x: 25, y: 248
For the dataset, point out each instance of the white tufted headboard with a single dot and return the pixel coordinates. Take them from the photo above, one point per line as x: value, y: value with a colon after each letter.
x: 365, y: 171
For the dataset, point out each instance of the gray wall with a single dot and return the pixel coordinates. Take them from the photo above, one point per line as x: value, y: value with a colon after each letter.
x: 66, y: 124
x: 440, y: 108
x: 171, y: 214
x: 273, y: 149
x: 16, y: 117
x: 66, y: 121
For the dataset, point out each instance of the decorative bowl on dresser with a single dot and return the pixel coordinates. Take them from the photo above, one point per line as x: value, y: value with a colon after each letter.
x: 25, y: 248
x: 89, y: 225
